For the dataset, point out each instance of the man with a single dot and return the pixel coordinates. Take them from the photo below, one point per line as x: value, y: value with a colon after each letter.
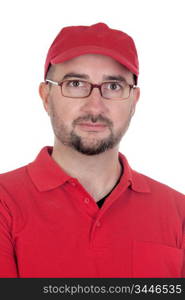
x: 79, y: 210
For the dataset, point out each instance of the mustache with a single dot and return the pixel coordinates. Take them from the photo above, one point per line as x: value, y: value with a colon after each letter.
x: 93, y: 119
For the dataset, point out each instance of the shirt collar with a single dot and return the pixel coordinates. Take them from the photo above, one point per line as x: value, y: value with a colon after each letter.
x: 138, y: 182
x: 46, y: 174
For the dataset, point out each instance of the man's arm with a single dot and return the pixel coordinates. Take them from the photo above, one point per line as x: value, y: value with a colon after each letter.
x: 8, y: 266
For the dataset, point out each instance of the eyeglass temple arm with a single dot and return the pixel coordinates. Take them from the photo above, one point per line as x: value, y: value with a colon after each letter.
x: 51, y: 81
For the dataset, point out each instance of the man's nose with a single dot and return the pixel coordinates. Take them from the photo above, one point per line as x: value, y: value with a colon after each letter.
x: 95, y: 102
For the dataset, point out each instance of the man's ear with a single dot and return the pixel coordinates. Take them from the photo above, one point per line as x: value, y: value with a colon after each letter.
x: 44, y: 93
x: 136, y: 95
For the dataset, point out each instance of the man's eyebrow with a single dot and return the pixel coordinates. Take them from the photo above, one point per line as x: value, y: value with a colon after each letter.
x: 114, y: 77
x: 75, y: 75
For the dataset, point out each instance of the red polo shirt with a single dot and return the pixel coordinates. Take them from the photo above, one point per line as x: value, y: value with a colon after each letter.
x: 50, y: 226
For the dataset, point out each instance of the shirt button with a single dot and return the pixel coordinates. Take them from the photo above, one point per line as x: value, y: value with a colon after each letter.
x: 98, y: 224
x: 86, y: 200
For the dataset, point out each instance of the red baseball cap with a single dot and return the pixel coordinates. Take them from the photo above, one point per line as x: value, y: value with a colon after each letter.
x: 98, y: 38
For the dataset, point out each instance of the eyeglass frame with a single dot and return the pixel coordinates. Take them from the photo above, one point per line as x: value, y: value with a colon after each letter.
x: 60, y: 83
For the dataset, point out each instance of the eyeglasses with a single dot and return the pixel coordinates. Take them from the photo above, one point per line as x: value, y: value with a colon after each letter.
x: 111, y: 90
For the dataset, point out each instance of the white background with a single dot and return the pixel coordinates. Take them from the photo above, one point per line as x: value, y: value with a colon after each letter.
x: 154, y: 143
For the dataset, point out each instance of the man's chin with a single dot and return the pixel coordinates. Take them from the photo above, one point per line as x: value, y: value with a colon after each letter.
x: 91, y: 145
x: 90, y: 151
x: 90, y: 148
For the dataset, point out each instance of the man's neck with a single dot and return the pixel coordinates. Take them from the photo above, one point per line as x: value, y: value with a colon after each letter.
x: 98, y: 174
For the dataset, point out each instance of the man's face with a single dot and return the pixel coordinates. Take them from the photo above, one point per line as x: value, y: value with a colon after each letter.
x: 89, y: 125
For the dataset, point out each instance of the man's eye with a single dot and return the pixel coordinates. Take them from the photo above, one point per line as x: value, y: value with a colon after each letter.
x: 74, y: 83
x: 114, y: 86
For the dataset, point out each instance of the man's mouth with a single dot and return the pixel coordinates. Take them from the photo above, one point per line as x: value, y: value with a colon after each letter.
x: 89, y: 126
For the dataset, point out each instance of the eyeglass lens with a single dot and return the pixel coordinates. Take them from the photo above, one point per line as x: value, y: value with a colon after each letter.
x: 81, y: 89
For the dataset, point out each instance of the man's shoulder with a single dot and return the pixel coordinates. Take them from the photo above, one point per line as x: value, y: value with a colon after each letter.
x: 14, y: 177
x: 157, y: 187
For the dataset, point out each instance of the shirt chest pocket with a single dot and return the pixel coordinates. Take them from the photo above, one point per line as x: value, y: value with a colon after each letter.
x: 152, y: 260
